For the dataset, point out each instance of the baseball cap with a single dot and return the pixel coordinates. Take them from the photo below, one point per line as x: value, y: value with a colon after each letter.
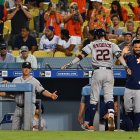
x: 97, y: 0
x: 24, y: 48
x: 50, y: 28
x: 3, y: 45
x: 26, y: 65
x: 99, y: 32
x: 127, y: 33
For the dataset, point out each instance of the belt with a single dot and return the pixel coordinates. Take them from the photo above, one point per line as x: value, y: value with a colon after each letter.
x: 20, y: 106
x: 103, y: 68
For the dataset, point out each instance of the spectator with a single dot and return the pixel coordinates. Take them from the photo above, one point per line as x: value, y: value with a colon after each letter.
x: 130, y: 27
x: 48, y: 41
x: 136, y: 10
x: 25, y: 39
x: 90, y: 38
x: 115, y: 30
x: 126, y: 45
x: 26, y: 57
x: 122, y: 12
x: 137, y: 33
x: 3, y: 17
x: 81, y: 7
x: 132, y: 87
x: 67, y: 44
x: 100, y: 17
x: 63, y: 4
x: 9, y: 4
x: 73, y: 22
x: 53, y: 18
x: 37, y: 116
x: 19, y: 17
x: 5, y: 57
x: 89, y: 10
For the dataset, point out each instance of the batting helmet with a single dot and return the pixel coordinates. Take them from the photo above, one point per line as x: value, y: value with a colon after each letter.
x: 100, y: 32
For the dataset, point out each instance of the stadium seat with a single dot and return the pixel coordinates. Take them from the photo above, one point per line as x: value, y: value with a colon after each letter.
x: 55, y: 1
x: 59, y: 54
x: 15, y: 53
x: 7, y: 24
x: 42, y: 53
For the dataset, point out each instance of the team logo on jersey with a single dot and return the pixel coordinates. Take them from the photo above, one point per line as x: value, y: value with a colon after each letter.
x: 138, y: 60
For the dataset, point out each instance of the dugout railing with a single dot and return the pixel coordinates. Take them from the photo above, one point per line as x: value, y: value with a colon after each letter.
x: 117, y: 91
x: 26, y: 88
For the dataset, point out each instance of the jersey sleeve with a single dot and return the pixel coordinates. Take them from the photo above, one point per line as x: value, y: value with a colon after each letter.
x: 115, y: 49
x: 87, y: 48
x: 39, y: 87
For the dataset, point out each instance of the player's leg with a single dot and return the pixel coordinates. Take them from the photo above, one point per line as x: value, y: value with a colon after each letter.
x: 137, y: 110
x: 96, y: 85
x: 109, y: 99
x: 128, y: 104
x: 86, y: 123
x: 17, y: 119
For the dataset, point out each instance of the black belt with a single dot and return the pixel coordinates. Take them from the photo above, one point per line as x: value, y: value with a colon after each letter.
x: 102, y: 68
x: 20, y: 106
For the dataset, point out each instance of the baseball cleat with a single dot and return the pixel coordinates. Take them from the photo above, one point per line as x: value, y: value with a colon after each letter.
x: 111, y: 124
x: 86, y: 127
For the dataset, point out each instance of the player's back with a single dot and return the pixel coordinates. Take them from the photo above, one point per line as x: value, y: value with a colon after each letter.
x: 102, y: 53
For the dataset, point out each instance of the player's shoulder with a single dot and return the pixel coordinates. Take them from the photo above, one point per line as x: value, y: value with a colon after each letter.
x: 16, y: 80
x: 129, y: 56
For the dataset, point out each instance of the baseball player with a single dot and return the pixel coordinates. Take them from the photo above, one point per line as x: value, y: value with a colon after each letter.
x: 102, y: 60
x: 132, y: 88
x: 19, y: 98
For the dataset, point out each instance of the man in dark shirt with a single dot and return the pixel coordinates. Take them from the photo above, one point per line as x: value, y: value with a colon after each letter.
x: 132, y: 88
x: 19, y: 17
x: 25, y: 39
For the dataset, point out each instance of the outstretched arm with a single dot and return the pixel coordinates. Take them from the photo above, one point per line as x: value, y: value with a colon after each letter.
x: 53, y: 95
x: 75, y: 60
x: 120, y: 56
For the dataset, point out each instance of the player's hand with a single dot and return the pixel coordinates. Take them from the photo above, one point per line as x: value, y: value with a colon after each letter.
x: 126, y: 50
x: 4, y: 82
x: 2, y: 93
x: 65, y: 66
x: 128, y: 70
x: 54, y: 96
x: 80, y: 119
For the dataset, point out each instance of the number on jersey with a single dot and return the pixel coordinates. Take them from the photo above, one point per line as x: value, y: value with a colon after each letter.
x: 102, y: 55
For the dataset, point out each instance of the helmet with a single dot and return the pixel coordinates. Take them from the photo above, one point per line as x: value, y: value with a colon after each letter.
x: 100, y: 32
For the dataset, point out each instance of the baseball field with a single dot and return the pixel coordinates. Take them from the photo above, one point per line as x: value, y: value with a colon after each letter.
x: 67, y: 135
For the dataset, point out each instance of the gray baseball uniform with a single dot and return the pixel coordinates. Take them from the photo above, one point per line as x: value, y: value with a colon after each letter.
x: 102, y: 60
x: 19, y: 99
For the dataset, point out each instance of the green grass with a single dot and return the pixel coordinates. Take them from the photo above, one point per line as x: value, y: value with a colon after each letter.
x: 67, y: 135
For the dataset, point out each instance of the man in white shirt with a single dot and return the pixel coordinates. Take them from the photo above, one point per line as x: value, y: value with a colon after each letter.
x: 48, y: 41
x: 67, y: 44
x: 10, y: 3
x: 26, y: 57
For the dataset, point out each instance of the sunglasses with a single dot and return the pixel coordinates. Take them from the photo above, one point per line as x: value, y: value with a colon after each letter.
x: 4, y: 48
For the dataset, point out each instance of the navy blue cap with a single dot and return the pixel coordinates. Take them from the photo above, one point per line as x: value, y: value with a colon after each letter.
x: 26, y: 65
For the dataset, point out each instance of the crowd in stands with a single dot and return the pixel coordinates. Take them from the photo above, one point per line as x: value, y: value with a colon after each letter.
x: 63, y: 27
